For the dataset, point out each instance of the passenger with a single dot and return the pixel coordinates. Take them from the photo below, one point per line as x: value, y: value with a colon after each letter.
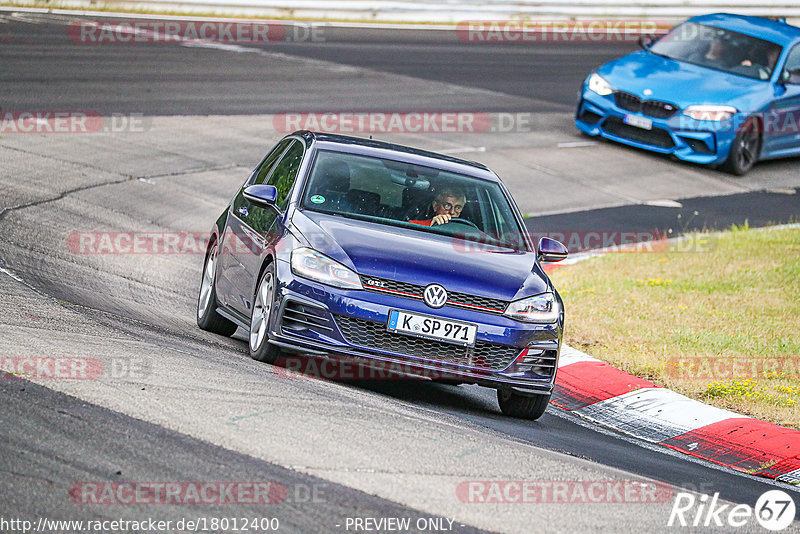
x: 447, y: 204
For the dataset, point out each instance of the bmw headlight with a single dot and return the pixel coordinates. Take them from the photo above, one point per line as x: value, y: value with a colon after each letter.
x: 542, y: 308
x: 599, y: 85
x: 710, y: 113
x: 310, y: 264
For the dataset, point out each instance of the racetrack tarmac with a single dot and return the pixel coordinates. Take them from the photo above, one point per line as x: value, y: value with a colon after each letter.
x: 199, y: 409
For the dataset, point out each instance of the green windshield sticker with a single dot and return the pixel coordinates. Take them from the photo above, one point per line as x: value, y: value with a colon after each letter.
x: 317, y: 199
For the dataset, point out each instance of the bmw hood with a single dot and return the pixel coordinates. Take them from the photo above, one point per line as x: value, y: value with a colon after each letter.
x: 677, y: 82
x: 415, y: 257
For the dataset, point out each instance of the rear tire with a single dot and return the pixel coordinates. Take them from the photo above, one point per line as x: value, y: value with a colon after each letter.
x: 263, y: 308
x: 744, y: 149
x: 522, y: 406
x: 207, y: 316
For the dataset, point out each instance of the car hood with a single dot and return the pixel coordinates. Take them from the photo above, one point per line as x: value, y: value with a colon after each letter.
x: 678, y: 82
x: 411, y: 256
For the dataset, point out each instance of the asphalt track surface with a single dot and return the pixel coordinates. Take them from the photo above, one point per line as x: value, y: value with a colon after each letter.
x: 155, y: 79
x: 204, y: 411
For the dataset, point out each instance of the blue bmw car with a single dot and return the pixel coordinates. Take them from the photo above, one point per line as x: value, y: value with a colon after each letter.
x: 717, y: 89
x: 347, y: 248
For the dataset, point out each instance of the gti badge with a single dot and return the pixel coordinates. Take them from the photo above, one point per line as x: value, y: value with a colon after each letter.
x: 435, y: 296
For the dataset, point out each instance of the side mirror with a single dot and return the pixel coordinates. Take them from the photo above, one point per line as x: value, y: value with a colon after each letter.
x: 263, y: 195
x: 550, y: 250
x: 791, y: 77
x: 646, y: 41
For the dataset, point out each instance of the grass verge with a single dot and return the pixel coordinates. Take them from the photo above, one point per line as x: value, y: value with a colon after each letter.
x: 716, y: 317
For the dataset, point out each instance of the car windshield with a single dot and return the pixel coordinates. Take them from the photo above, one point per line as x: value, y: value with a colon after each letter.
x: 402, y: 194
x: 719, y: 49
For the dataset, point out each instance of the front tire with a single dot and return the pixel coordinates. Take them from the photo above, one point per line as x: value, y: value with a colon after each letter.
x: 522, y: 406
x: 263, y: 308
x: 744, y: 149
x: 207, y: 316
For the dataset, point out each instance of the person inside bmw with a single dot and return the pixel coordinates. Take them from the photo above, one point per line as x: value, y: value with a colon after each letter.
x: 447, y: 204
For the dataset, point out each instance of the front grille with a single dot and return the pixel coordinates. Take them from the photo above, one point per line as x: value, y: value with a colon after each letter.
x: 384, y: 285
x: 413, y: 291
x: 372, y: 335
x: 628, y: 102
x: 463, y: 300
x: 659, y: 110
x: 655, y: 137
x: 651, y: 108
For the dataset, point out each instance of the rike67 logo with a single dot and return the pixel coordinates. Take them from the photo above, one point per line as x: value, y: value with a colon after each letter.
x: 774, y: 510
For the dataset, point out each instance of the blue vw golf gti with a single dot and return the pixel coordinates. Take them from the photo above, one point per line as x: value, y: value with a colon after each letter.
x: 346, y: 248
x: 717, y: 89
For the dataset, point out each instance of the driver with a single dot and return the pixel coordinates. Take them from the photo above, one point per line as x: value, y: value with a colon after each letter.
x: 447, y: 204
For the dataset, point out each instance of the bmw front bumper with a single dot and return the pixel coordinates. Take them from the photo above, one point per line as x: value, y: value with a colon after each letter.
x: 704, y: 142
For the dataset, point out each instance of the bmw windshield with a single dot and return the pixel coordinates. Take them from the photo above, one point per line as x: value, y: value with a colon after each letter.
x: 719, y: 49
x: 411, y: 196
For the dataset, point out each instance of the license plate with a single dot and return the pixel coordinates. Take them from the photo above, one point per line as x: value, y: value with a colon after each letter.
x: 639, y: 122
x: 432, y: 328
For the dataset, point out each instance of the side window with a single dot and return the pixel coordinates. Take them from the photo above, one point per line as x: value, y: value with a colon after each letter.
x: 285, y: 173
x: 269, y: 161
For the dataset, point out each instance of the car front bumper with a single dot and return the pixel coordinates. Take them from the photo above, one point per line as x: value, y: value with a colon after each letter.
x: 319, y: 320
x: 704, y: 142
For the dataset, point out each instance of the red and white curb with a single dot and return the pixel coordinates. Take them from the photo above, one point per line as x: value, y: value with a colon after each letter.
x: 600, y: 393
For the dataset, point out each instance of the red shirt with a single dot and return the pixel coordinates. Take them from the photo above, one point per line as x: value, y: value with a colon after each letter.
x: 423, y: 223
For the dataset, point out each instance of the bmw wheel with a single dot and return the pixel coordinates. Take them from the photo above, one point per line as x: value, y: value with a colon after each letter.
x: 745, y: 148
x: 522, y: 406
x: 263, y: 306
x: 207, y: 316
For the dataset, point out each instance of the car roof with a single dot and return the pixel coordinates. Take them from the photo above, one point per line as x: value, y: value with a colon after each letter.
x: 358, y: 145
x: 778, y: 32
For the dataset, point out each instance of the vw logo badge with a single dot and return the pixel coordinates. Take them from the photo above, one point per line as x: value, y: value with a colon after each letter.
x: 648, y: 92
x: 435, y: 296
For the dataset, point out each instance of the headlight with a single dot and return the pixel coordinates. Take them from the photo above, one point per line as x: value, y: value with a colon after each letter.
x: 539, y: 309
x: 598, y: 84
x: 710, y: 113
x: 309, y: 263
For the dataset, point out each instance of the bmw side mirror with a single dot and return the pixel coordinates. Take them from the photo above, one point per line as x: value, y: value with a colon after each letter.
x: 550, y: 250
x: 791, y: 77
x: 646, y: 41
x: 263, y: 195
